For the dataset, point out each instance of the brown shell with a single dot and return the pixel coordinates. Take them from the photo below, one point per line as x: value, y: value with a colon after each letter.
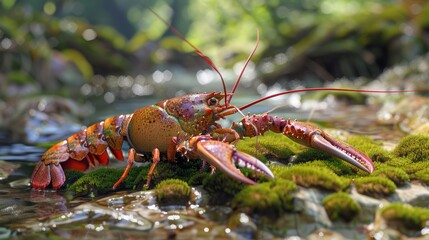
x: 77, y: 145
x: 112, y: 127
x: 56, y: 154
x: 94, y: 138
x: 152, y: 127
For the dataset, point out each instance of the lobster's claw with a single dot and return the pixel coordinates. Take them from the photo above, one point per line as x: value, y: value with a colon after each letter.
x: 328, y: 144
x: 225, y: 157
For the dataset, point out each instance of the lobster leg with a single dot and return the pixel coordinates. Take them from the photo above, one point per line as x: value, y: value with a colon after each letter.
x: 130, y: 163
x: 156, y: 159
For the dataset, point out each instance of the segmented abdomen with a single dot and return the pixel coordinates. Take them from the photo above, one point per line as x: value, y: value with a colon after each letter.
x: 88, y: 146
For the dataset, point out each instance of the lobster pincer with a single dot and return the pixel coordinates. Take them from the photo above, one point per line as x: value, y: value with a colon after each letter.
x: 224, y: 156
x: 322, y: 141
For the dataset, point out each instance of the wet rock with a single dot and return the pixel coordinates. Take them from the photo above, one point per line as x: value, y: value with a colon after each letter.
x: 5, y: 233
x: 6, y: 168
x: 399, y: 220
x: 410, y: 113
x: 413, y: 194
x: 42, y: 119
x: 368, y: 204
x: 325, y: 234
x: 340, y: 206
x: 309, y: 213
x: 243, y: 224
x: 20, y: 183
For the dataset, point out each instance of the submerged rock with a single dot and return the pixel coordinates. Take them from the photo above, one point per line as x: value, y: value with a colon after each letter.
x: 397, y: 219
x: 410, y: 114
x: 43, y: 119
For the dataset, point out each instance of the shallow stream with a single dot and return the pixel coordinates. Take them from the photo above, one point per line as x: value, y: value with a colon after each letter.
x: 27, y: 213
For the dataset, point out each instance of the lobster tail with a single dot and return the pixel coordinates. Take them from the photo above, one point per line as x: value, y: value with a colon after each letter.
x: 80, y: 151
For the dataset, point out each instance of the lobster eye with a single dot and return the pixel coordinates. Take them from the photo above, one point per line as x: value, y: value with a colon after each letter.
x: 212, y: 101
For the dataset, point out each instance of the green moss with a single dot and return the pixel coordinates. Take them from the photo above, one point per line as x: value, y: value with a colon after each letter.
x: 311, y: 154
x: 268, y: 199
x: 414, y: 147
x: 399, y: 162
x: 183, y: 170
x: 316, y: 158
x: 257, y: 199
x: 341, y: 206
x: 399, y: 215
x: 336, y: 165
x: 248, y: 146
x: 396, y: 175
x: 423, y: 176
x: 198, y: 178
x: 283, y: 189
x: 172, y: 191
x: 270, y: 144
x: 375, y: 186
x: 308, y: 176
x: 413, y: 168
x: 221, y: 188
x: 279, y: 145
x: 370, y: 147
x: 101, y: 180
x: 72, y: 176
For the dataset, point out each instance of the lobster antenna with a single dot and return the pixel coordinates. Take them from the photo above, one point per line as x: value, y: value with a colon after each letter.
x: 197, y: 51
x: 244, y: 67
x: 329, y: 89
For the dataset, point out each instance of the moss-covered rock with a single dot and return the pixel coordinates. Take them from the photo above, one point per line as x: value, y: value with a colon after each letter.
x: 198, y: 178
x: 72, y: 176
x: 311, y: 154
x: 101, y: 180
x: 341, y: 206
x: 172, y: 192
x: 422, y: 176
x: 336, y: 165
x: 182, y: 169
x: 270, y: 144
x: 309, y: 176
x: 404, y: 217
x: 370, y: 147
x: 221, y: 188
x: 399, y: 162
x: 257, y: 199
x: 415, y: 170
x: 375, y: 186
x: 396, y: 175
x: 414, y: 147
x: 268, y: 199
x: 408, y: 165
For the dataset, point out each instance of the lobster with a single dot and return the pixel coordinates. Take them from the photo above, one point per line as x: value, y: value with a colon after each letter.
x: 181, y: 124
x: 186, y: 124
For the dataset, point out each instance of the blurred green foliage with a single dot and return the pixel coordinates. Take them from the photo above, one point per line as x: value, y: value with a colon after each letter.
x: 59, y: 42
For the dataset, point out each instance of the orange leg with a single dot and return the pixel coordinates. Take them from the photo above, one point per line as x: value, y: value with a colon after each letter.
x: 172, y: 150
x: 131, y: 160
x: 229, y: 135
x: 156, y: 159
